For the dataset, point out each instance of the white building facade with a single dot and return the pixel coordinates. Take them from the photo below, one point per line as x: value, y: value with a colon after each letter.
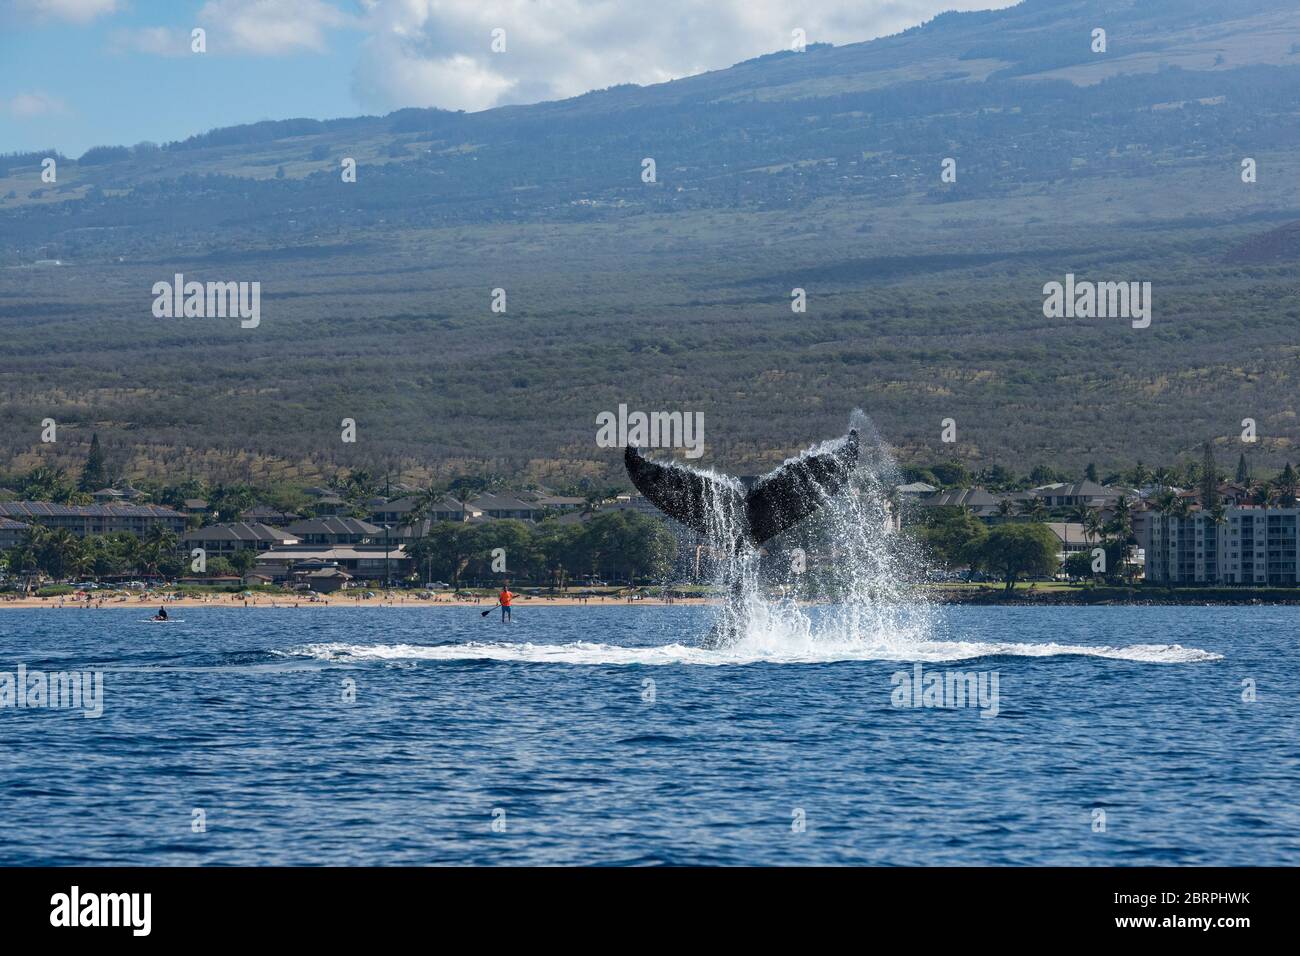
x: 1251, y: 546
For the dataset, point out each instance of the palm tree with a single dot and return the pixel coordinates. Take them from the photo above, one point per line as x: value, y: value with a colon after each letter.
x: 1218, y: 514
x: 1005, y: 508
x: 1078, y: 515
x: 1261, y: 493
x: 1164, y: 477
x: 1287, y: 485
x: 56, y: 551
x: 48, y: 484
x: 1120, y: 527
x: 83, y: 565
x: 159, y: 542
x: 1037, y: 510
x: 1093, y: 525
x: 132, y: 552
x: 25, y: 557
x: 425, y: 500
x: 1166, y: 502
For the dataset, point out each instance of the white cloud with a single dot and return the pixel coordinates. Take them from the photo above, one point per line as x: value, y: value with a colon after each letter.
x: 438, y: 52
x: 28, y: 105
x: 391, y: 76
x: 269, y: 27
x: 258, y: 27
x: 75, y: 11
x: 157, y: 41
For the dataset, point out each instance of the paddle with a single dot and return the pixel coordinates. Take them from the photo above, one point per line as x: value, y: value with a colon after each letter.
x: 489, y: 611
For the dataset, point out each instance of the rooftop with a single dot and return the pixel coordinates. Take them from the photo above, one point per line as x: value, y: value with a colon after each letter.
x: 333, y: 526
x: 240, y: 531
x: 45, y: 509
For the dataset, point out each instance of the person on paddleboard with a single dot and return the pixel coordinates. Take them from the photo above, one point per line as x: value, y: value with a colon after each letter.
x: 161, y: 615
x: 504, y: 599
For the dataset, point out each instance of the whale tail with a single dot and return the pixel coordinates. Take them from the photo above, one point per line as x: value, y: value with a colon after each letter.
x: 777, y: 502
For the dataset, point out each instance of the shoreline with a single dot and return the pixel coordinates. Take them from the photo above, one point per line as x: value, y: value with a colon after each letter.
x: 379, y: 600
x: 985, y: 597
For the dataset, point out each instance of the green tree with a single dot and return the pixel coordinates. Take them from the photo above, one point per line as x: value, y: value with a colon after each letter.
x: 1013, y: 551
x: 952, y: 474
x: 219, y: 566
x: 444, y: 551
x: 243, y: 560
x: 1209, y: 478
x: 950, y: 534
x: 1043, y: 475
x: 1286, y: 486
x: 559, y: 547
x: 1078, y: 565
x: 1093, y: 526
x: 158, y: 550
x: 48, y: 484
x: 1261, y: 493
x: 93, y: 475
x: 227, y: 502
x: 508, y: 539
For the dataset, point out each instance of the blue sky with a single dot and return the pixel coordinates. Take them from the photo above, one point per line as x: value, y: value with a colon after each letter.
x: 104, y: 95
x: 82, y: 73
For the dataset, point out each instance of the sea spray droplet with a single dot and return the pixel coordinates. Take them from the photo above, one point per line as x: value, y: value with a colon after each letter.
x: 853, y: 559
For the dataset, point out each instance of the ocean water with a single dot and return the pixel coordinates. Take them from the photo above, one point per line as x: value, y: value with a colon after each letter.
x: 605, y: 735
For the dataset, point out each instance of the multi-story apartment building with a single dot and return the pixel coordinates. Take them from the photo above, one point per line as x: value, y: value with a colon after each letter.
x: 85, y: 520
x: 1251, y: 545
x: 11, y: 533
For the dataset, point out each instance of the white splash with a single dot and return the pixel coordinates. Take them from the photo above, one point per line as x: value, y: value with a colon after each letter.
x: 861, y: 573
x: 812, y: 651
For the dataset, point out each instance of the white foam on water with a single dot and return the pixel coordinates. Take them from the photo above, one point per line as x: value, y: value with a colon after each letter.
x: 745, y: 652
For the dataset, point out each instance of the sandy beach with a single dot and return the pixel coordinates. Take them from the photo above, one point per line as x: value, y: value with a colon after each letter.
x: 380, y: 599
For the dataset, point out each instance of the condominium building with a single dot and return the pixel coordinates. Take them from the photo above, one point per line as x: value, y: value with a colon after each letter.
x: 11, y: 533
x: 85, y: 520
x: 1251, y: 545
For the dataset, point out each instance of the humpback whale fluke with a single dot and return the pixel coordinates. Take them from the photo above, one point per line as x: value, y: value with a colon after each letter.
x: 715, y: 506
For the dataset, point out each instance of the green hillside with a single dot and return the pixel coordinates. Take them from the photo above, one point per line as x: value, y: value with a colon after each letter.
x: 818, y: 170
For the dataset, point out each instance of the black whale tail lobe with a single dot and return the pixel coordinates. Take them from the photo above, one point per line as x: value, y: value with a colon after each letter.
x: 777, y: 502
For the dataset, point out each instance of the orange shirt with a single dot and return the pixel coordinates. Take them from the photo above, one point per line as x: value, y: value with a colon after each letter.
x: 505, y: 597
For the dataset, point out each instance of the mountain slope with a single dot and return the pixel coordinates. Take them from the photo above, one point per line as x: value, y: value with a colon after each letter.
x: 818, y: 170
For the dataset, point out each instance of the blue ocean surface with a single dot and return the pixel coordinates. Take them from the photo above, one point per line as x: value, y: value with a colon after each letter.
x: 606, y: 735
